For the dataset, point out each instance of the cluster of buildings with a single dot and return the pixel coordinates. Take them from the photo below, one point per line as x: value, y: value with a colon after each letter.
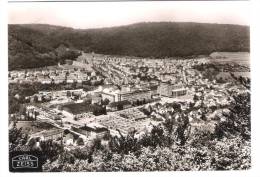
x: 136, y: 93
x: 171, y: 90
x: 61, y: 74
x: 128, y: 93
x: 125, y: 70
x: 58, y: 97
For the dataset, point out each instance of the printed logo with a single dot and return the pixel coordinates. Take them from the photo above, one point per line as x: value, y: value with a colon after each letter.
x: 24, y: 161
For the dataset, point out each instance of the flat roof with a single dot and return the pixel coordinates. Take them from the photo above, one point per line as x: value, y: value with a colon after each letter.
x: 79, y: 108
x: 124, y: 102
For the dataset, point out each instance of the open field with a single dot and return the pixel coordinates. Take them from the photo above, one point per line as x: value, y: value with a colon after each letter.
x: 242, y: 58
x: 243, y: 74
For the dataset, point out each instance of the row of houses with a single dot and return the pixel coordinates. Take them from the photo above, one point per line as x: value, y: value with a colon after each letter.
x: 55, y: 76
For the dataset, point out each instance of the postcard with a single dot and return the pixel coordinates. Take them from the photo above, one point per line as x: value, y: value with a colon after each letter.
x: 130, y: 86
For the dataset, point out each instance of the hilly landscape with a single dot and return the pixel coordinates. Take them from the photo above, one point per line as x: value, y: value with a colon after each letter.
x: 38, y: 45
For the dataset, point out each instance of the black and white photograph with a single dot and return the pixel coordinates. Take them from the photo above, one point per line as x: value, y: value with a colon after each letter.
x: 131, y: 86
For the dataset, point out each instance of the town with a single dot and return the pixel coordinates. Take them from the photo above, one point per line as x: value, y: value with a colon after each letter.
x: 130, y: 87
x: 114, y: 95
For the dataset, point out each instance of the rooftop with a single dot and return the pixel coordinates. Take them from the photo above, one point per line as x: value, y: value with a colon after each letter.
x: 79, y: 108
x: 124, y: 102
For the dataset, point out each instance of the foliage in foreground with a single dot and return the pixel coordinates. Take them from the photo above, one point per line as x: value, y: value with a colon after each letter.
x: 170, y: 146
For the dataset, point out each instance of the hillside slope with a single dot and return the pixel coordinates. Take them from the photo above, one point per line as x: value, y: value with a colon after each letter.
x: 32, y: 45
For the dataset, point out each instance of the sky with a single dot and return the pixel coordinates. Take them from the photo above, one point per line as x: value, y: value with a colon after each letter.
x: 106, y: 14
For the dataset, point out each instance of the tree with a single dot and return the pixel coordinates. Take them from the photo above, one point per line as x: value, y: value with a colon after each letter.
x: 183, y: 130
x: 106, y: 101
x: 80, y: 141
x: 69, y: 94
x: 154, y: 138
x: 124, y: 144
x: 50, y: 150
x: 195, y: 98
x: 239, y: 119
x: 17, y: 138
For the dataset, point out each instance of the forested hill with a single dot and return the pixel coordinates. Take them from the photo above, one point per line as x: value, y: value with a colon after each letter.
x: 36, y: 45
